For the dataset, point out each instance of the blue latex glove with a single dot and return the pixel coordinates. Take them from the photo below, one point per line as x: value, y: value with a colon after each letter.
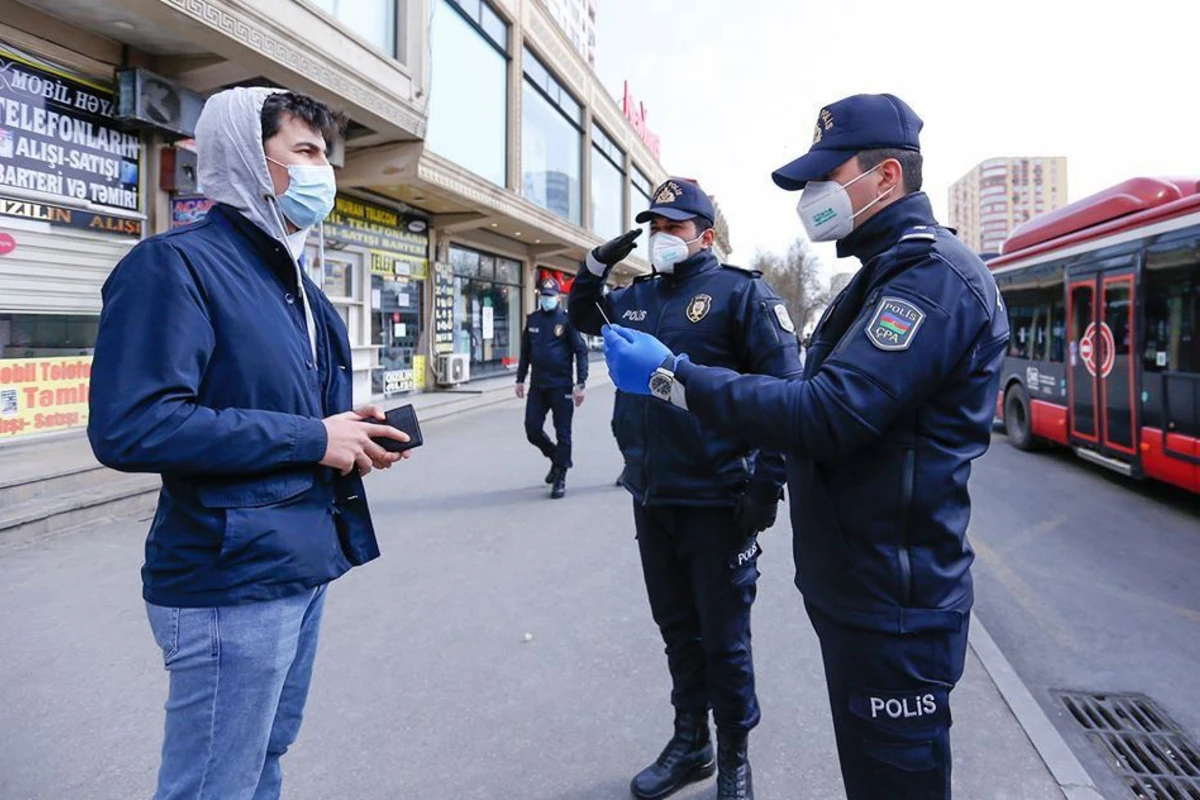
x: 632, y: 357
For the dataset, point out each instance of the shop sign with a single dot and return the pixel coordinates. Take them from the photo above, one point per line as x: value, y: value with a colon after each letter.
x: 635, y: 112
x: 400, y: 380
x: 384, y: 231
x: 7, y: 244
x: 70, y: 217
x: 39, y: 395
x: 58, y: 137
x: 443, y: 308
x: 186, y: 210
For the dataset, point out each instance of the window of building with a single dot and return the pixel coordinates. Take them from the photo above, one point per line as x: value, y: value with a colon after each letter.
x: 1172, y: 303
x: 551, y: 143
x: 608, y: 186
x: 374, y: 20
x: 487, y: 313
x: 43, y: 335
x: 641, y: 201
x: 468, y: 88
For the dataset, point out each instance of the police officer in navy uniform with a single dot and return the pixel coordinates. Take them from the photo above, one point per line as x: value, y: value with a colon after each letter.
x: 700, y: 498
x: 897, y: 400
x: 551, y: 346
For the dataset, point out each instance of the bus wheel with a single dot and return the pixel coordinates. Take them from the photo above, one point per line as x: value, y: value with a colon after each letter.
x: 1017, y: 422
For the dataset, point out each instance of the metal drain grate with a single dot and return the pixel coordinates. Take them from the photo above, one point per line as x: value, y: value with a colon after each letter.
x: 1152, y: 755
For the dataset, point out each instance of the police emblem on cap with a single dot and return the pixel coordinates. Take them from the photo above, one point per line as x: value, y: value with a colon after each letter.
x: 558, y: 331
x: 895, y: 324
x: 824, y: 123
x: 668, y: 193
x: 699, y: 307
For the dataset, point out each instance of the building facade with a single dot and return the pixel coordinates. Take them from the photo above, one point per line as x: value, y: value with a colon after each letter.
x: 577, y: 18
x: 482, y: 153
x: 1001, y: 193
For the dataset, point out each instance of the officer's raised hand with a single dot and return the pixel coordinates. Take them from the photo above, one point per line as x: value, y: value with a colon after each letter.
x: 632, y: 357
x: 614, y: 251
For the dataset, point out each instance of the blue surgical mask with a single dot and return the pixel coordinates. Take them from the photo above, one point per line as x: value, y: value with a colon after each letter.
x: 549, y: 303
x: 310, y: 193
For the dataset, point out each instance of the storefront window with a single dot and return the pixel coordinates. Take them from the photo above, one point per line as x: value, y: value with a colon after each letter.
x: 37, y: 335
x: 468, y: 95
x: 641, y: 201
x: 396, y: 314
x: 487, y: 313
x: 608, y: 186
x: 551, y: 143
x: 374, y: 20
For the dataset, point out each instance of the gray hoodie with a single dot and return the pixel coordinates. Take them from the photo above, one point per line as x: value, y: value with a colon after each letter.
x: 232, y: 167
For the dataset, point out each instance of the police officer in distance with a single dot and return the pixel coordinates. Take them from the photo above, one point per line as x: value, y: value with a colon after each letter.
x: 700, y: 497
x: 550, y: 344
x: 897, y: 400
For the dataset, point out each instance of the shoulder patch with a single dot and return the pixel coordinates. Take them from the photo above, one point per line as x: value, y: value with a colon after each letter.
x: 785, y: 319
x: 647, y: 277
x: 895, y: 324
x: 920, y: 233
x: 749, y: 273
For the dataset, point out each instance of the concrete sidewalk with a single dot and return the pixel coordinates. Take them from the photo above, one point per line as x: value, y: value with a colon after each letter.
x: 426, y: 686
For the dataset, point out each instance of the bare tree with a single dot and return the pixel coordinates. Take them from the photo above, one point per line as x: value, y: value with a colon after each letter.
x: 796, y: 277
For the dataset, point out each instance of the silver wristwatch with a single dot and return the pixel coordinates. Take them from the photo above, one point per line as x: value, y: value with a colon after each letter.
x: 664, y: 386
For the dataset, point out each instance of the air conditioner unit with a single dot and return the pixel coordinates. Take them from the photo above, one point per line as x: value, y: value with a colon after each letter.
x: 452, y: 369
x: 148, y: 100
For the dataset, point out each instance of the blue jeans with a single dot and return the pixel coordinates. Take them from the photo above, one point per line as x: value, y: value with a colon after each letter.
x: 239, y: 680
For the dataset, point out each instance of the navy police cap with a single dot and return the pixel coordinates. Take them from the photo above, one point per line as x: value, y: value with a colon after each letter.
x: 549, y: 288
x: 678, y: 199
x: 846, y: 128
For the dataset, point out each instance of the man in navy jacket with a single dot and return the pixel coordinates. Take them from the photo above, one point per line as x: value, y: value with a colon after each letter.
x: 224, y: 369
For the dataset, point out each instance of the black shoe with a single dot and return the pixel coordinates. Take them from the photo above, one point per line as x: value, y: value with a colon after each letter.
x: 559, y: 487
x: 733, y: 760
x: 551, y: 475
x: 687, y: 758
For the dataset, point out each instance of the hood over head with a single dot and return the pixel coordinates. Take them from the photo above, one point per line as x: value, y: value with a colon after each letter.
x: 231, y: 163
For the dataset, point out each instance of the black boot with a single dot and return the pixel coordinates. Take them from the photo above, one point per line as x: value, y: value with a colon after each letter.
x: 559, y: 485
x: 687, y: 758
x: 551, y: 474
x: 733, y: 760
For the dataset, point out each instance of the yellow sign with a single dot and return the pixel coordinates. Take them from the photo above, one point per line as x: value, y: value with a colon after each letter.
x: 39, y: 395
x: 419, y: 373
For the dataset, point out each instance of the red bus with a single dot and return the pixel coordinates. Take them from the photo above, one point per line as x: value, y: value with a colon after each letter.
x: 1103, y: 300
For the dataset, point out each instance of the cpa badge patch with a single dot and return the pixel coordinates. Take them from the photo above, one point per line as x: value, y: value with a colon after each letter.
x: 785, y: 319
x: 558, y: 331
x: 895, y: 324
x: 699, y: 307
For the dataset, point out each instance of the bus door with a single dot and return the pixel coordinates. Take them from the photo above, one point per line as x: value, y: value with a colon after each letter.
x: 1101, y: 377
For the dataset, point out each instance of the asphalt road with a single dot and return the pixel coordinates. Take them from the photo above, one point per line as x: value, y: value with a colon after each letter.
x: 425, y: 684
x: 1089, y: 582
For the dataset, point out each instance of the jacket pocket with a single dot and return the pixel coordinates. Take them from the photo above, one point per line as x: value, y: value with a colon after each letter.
x: 256, y: 492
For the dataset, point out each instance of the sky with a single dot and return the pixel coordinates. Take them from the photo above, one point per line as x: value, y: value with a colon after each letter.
x: 733, y: 89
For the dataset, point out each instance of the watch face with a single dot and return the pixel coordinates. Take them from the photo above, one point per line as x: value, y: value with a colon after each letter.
x: 660, y: 385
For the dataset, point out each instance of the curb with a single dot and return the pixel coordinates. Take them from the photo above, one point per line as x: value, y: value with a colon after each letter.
x: 1050, y: 745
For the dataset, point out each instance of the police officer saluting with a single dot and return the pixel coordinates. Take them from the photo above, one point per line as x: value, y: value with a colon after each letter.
x: 550, y: 344
x: 897, y: 399
x: 700, y: 497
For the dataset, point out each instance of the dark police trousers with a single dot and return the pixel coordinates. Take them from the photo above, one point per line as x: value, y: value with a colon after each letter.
x: 890, y: 697
x: 701, y: 576
x: 559, y: 400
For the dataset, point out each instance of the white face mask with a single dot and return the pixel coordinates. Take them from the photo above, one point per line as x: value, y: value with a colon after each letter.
x: 667, y: 250
x: 826, y: 210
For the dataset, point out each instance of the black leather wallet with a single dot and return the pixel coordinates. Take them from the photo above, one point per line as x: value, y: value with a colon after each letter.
x: 403, y: 418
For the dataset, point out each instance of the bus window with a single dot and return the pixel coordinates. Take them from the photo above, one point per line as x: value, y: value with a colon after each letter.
x: 1020, y: 325
x: 1058, y: 329
x: 1172, y: 344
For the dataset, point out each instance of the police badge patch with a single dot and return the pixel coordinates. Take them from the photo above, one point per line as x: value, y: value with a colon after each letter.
x: 698, y: 308
x: 558, y: 331
x: 895, y: 324
x: 785, y: 319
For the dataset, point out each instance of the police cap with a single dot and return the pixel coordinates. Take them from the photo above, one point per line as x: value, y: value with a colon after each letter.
x: 678, y: 199
x: 846, y: 128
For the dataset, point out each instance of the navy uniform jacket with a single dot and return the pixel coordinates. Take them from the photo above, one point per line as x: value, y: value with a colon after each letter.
x: 550, y: 344
x: 897, y: 399
x: 203, y: 373
x: 718, y: 315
